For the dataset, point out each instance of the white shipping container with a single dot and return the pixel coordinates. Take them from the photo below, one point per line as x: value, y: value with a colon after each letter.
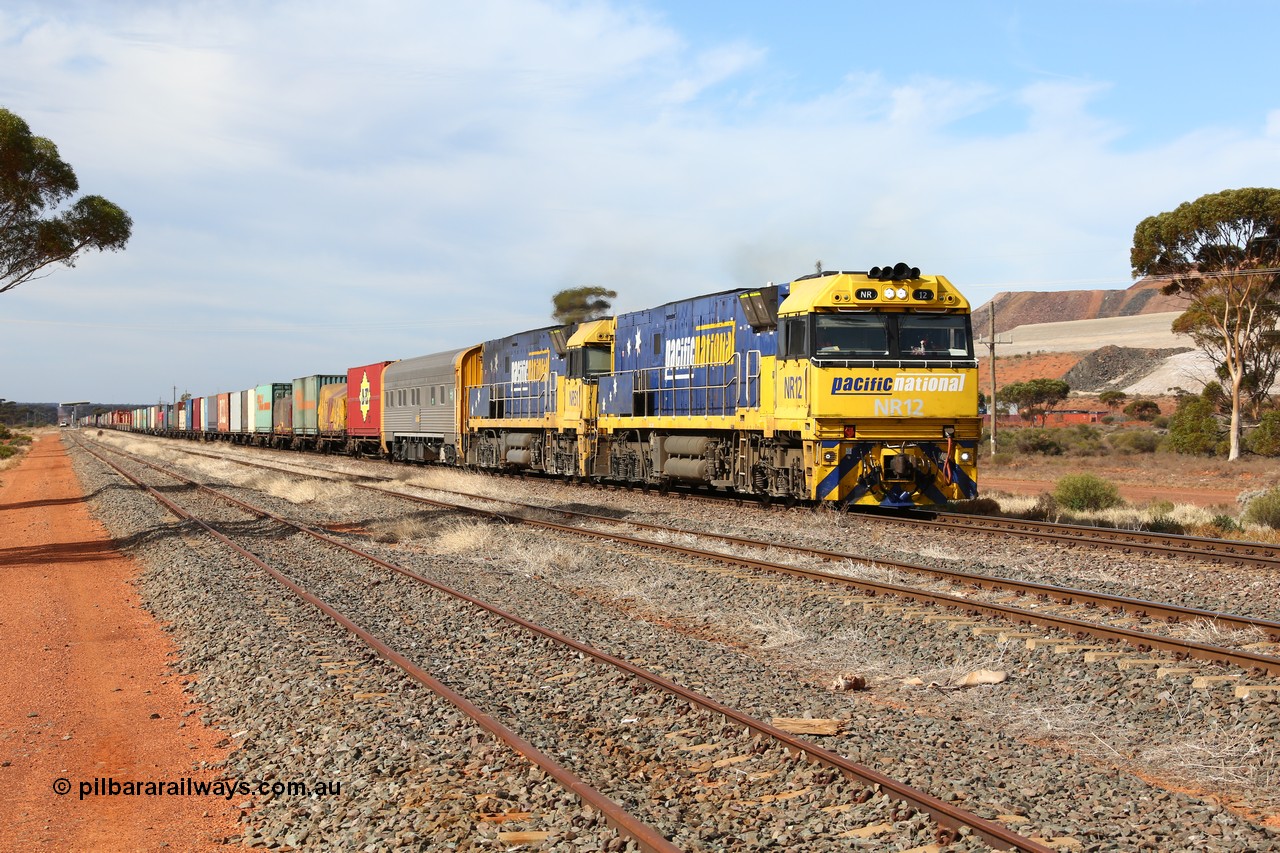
x: 237, y: 411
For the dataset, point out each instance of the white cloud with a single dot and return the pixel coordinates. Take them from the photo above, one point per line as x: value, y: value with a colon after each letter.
x: 307, y: 165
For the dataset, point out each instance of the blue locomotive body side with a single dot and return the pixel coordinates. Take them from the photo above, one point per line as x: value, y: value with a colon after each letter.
x: 698, y: 357
x: 519, y: 377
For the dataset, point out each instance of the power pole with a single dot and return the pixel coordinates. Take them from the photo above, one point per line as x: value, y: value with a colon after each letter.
x: 991, y: 348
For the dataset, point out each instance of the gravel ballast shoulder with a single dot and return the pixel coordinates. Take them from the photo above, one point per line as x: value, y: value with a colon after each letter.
x: 1052, y: 751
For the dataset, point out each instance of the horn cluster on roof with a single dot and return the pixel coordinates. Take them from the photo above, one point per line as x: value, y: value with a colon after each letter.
x: 897, y: 272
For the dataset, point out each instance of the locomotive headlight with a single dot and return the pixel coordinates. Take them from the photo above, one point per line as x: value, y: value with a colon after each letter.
x: 829, y: 456
x: 965, y: 456
x: 902, y: 293
x: 888, y: 293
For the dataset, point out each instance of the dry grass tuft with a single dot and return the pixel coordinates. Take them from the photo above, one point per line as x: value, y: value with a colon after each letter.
x: 850, y: 649
x: 1216, y: 634
x: 778, y: 629
x: 872, y: 572
x: 405, y: 528
x: 1233, y: 759
x: 465, y: 537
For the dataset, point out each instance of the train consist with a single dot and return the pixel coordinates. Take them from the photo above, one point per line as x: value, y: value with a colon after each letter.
x: 837, y: 387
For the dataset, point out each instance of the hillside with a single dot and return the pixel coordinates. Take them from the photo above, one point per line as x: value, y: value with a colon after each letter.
x: 1030, y: 308
x: 1139, y: 355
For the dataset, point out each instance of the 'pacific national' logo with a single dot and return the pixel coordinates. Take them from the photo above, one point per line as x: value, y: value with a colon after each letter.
x: 902, y: 383
x: 366, y: 398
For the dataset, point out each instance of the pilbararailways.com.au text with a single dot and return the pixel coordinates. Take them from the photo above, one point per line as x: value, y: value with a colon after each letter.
x: 188, y: 787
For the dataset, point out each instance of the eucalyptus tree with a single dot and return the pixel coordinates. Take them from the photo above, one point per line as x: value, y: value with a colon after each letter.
x: 1221, y: 252
x: 579, y: 304
x: 38, y: 227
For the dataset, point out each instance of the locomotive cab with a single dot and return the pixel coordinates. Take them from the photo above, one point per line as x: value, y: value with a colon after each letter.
x: 876, y: 370
x: 588, y: 356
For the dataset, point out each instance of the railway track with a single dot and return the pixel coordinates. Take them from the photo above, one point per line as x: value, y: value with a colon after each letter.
x: 729, y: 732
x: 1162, y: 615
x: 1217, y: 551
x: 1208, y: 549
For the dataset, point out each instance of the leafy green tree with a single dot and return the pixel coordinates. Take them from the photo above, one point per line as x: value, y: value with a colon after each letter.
x: 35, y: 180
x: 1143, y: 410
x: 1217, y: 397
x: 1193, y: 429
x: 1221, y: 252
x: 1112, y: 399
x: 1197, y: 322
x: 1035, y: 397
x: 579, y: 304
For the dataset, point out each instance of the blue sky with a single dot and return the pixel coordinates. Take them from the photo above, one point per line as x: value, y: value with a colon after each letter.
x: 317, y: 185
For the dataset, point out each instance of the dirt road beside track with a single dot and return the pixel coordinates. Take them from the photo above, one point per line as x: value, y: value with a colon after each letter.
x: 87, y: 691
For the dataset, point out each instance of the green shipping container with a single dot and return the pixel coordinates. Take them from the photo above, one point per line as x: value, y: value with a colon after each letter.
x: 264, y: 397
x: 306, y: 398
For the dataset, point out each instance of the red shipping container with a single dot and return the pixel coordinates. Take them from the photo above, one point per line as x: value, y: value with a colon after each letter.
x: 364, y: 399
x: 224, y: 413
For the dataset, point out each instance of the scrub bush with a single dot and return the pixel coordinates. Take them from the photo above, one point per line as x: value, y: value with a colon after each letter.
x: 1264, y: 510
x: 1265, y: 440
x: 1085, y: 491
x: 1033, y: 440
x: 1135, y: 441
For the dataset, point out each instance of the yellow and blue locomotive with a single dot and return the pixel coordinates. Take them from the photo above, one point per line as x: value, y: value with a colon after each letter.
x: 846, y: 388
x: 876, y: 378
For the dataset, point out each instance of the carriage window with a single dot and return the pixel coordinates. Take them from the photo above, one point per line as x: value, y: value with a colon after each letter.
x: 850, y: 336
x: 433, y: 395
x: 588, y: 361
x: 934, y: 336
x: 795, y: 341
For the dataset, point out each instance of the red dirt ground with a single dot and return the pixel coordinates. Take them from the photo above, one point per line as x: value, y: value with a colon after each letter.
x: 87, y: 690
x: 1021, y: 368
x: 1137, y: 495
